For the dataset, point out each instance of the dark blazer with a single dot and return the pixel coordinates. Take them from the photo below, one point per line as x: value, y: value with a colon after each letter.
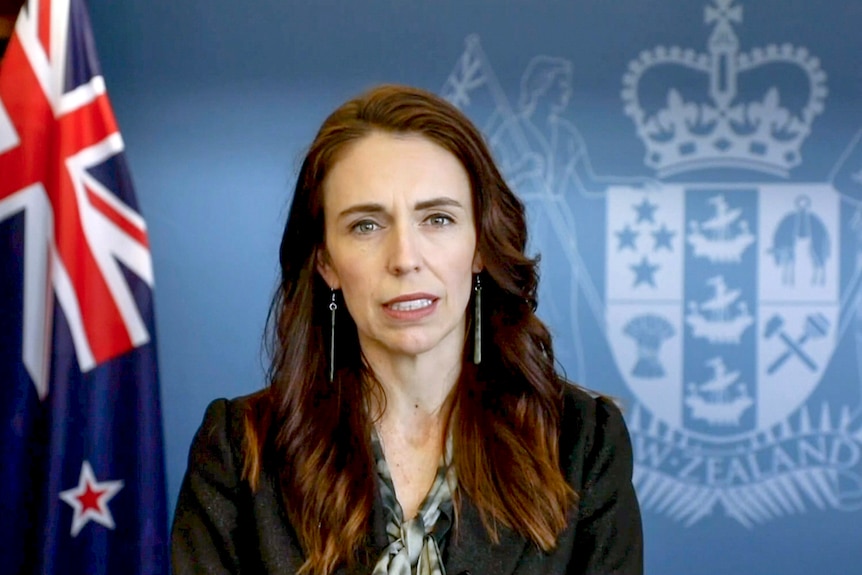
x: 220, y: 526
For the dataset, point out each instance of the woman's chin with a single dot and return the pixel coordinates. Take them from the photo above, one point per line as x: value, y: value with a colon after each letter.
x: 407, y: 347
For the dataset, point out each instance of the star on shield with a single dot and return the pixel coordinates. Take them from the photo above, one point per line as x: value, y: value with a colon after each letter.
x: 90, y: 498
x: 646, y: 211
x: 644, y: 272
x: 663, y: 237
x: 627, y: 237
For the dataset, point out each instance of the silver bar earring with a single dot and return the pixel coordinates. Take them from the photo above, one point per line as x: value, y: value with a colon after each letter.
x: 332, y: 308
x: 477, y: 322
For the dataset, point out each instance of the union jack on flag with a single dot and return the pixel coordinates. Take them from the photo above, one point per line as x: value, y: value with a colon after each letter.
x: 82, y: 486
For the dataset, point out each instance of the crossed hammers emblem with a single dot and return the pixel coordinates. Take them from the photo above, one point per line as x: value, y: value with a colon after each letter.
x: 816, y: 326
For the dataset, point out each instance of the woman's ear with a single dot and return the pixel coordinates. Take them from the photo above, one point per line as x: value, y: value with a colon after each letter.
x: 325, y: 269
x: 477, y: 263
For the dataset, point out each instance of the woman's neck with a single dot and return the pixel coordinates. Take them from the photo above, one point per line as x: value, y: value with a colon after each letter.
x: 416, y: 389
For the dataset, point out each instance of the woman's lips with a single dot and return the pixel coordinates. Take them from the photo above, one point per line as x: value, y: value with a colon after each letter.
x: 411, y: 306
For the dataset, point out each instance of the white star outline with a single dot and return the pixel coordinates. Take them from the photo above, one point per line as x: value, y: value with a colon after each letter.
x: 82, y: 516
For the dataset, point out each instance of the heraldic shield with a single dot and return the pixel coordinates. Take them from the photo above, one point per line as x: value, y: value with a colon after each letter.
x: 722, y: 301
x: 724, y: 309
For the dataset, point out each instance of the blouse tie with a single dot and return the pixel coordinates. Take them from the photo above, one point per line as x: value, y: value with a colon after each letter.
x: 414, y: 545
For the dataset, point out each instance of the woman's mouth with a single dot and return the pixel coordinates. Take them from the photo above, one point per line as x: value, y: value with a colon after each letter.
x: 410, y: 305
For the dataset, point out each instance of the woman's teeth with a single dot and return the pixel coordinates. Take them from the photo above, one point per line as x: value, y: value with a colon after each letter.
x: 410, y: 305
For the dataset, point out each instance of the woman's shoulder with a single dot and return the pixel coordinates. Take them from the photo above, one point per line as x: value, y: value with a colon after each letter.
x: 589, y: 406
x: 227, y: 415
x: 220, y: 437
x: 593, y: 431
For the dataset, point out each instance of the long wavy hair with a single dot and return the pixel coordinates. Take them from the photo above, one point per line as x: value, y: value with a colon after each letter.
x: 313, y: 433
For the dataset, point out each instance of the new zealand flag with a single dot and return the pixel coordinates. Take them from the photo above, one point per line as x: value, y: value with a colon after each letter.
x: 82, y: 486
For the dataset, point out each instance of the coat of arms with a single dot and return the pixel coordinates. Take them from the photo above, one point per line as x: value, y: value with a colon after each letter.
x: 727, y: 291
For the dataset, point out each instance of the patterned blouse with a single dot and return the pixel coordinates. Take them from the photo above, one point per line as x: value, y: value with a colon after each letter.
x: 416, y: 546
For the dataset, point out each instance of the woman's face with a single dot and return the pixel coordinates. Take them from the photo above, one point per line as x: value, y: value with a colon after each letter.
x: 400, y: 243
x: 560, y: 91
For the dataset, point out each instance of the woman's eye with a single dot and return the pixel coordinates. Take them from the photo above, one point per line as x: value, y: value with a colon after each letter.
x: 440, y: 220
x: 365, y: 226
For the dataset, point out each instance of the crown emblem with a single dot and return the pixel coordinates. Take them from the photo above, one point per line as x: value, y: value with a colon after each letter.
x: 724, y: 108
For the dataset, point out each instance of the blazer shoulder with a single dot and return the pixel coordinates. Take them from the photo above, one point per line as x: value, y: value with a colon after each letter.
x: 218, y: 444
x: 589, y: 407
x: 216, y: 525
x: 609, y: 536
x: 593, y: 431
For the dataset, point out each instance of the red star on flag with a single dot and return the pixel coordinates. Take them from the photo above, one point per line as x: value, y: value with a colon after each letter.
x: 89, y: 499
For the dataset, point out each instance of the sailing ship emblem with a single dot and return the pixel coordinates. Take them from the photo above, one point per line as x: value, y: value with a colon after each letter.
x: 721, y: 399
x: 723, y: 318
x: 723, y: 237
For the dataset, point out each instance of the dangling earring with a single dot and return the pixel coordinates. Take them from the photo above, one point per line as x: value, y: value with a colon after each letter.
x: 332, y: 308
x: 477, y: 322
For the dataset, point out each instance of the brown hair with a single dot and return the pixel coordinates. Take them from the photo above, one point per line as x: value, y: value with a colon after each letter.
x: 505, y: 413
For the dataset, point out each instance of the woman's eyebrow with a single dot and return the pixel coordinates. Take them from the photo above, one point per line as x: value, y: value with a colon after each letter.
x: 373, y: 208
x: 438, y: 202
x: 370, y: 208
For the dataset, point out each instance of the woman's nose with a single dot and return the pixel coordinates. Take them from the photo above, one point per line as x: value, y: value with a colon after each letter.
x: 405, y: 252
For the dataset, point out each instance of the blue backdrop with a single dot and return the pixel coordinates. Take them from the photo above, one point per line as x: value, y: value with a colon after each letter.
x: 693, y: 175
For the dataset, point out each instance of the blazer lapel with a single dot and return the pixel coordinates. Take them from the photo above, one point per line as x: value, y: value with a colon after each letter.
x: 379, y: 541
x: 470, y: 547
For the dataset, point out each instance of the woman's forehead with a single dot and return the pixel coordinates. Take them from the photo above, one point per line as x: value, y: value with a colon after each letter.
x: 383, y: 165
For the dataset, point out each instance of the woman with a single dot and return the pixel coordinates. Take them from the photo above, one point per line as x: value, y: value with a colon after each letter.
x: 414, y: 421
